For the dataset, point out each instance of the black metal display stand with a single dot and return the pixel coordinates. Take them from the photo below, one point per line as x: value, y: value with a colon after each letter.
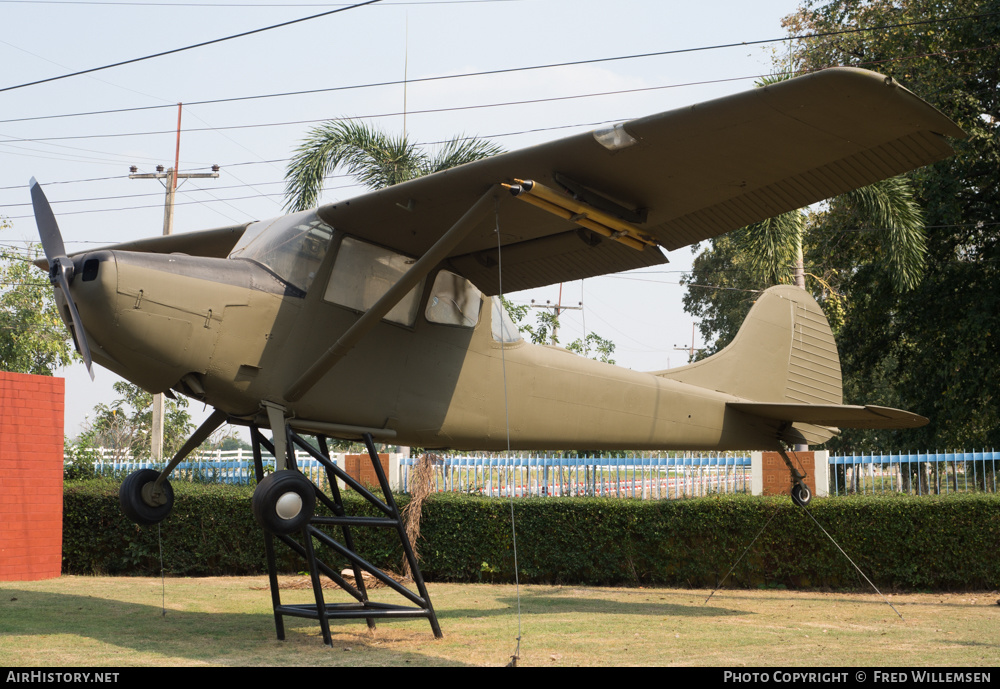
x: 302, y: 544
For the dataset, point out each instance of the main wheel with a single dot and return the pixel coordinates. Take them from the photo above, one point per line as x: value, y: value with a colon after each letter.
x: 801, y: 495
x: 138, y: 502
x: 284, y: 502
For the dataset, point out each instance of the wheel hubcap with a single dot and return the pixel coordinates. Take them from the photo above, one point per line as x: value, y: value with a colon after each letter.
x: 289, y: 505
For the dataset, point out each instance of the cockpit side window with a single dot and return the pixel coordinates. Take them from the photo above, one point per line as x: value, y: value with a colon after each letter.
x: 292, y: 246
x: 453, y: 301
x: 363, y: 272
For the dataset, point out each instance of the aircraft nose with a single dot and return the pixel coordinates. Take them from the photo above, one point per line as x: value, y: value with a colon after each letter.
x: 93, y: 289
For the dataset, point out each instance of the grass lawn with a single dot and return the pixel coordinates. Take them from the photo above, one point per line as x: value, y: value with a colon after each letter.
x: 227, y: 621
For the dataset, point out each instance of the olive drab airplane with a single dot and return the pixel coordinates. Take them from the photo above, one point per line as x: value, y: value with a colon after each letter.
x: 378, y: 317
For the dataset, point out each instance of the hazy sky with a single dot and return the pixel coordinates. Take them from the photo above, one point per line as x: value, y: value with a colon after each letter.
x: 83, y: 160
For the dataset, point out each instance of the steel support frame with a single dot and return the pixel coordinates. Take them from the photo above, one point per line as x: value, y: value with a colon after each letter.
x: 363, y: 608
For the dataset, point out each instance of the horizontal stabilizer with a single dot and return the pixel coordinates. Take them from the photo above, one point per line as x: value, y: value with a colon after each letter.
x: 839, y: 415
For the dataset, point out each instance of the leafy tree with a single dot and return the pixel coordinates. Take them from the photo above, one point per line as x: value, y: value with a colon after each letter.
x: 225, y: 439
x: 33, y: 338
x: 932, y: 349
x: 378, y: 160
x: 547, y: 324
x: 727, y: 277
x: 126, y: 425
x: 593, y: 346
x: 374, y: 158
x: 773, y: 251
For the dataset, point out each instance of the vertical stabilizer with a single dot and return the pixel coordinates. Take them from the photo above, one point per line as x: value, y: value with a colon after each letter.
x: 783, y: 353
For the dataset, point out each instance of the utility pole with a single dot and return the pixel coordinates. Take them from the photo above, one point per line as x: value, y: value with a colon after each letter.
x: 692, y: 349
x: 557, y: 309
x: 171, y: 176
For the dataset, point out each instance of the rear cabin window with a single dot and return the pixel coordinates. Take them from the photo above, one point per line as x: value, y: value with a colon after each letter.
x: 503, y: 327
x: 453, y: 301
x: 364, y: 272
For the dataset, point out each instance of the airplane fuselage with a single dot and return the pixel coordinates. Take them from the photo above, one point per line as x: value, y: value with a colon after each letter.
x: 229, y: 332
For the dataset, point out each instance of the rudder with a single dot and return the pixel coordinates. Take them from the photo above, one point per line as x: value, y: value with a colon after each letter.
x: 783, y: 353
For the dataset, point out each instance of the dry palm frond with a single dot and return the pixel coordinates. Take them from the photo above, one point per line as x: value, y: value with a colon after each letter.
x: 420, y: 488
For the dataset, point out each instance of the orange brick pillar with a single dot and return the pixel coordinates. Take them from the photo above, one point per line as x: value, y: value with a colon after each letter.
x: 31, y: 476
x: 359, y: 467
x: 770, y: 475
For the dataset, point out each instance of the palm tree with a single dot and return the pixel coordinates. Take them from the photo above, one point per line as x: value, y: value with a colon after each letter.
x: 773, y: 247
x: 374, y: 158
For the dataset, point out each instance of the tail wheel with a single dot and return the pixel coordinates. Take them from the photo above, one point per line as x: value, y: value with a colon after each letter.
x: 801, y: 495
x: 284, y: 502
x: 140, y: 502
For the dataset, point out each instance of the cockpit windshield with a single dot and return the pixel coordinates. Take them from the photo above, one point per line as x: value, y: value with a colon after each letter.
x: 291, y: 246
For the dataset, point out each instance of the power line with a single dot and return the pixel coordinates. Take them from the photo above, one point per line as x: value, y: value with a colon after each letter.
x: 281, y: 160
x: 426, y: 111
x: 506, y: 70
x: 432, y: 110
x: 190, y: 47
x: 498, y: 135
x: 243, y: 5
x: 69, y: 181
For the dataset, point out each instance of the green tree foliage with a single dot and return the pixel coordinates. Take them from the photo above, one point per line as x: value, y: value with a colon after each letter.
x: 126, y: 424
x: 593, y: 346
x: 379, y: 160
x: 33, y: 338
x: 727, y: 277
x: 546, y: 326
x: 225, y: 439
x: 916, y: 330
x: 932, y: 349
x: 374, y: 158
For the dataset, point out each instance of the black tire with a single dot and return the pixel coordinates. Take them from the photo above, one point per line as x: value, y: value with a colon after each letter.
x: 801, y: 495
x: 137, y: 509
x: 274, y: 502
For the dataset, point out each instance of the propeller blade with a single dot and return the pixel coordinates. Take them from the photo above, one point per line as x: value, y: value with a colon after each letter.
x: 48, y: 229
x: 60, y: 266
x: 79, y: 336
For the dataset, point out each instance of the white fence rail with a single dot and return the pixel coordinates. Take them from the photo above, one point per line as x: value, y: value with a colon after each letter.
x: 647, y: 476
x: 641, y: 475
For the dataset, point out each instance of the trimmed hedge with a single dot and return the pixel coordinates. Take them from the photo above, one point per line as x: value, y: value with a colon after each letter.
x: 900, y: 542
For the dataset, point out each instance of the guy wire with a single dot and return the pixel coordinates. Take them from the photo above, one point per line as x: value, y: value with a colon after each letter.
x: 506, y: 411
x: 740, y: 559
x: 163, y: 579
x: 804, y: 509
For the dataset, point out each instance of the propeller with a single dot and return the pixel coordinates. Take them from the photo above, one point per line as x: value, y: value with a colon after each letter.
x: 60, y: 266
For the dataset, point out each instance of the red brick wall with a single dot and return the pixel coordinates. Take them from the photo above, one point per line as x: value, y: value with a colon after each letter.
x: 359, y: 467
x: 31, y: 476
x: 778, y: 480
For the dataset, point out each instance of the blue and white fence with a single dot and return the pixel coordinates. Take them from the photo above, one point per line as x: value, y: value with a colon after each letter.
x: 641, y: 475
x: 234, y: 466
x: 922, y: 473
x: 648, y: 476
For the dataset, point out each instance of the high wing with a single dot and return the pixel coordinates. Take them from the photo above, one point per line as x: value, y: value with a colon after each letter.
x: 678, y: 177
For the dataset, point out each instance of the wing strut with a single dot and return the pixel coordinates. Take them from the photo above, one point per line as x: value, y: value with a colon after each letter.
x: 370, y: 318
